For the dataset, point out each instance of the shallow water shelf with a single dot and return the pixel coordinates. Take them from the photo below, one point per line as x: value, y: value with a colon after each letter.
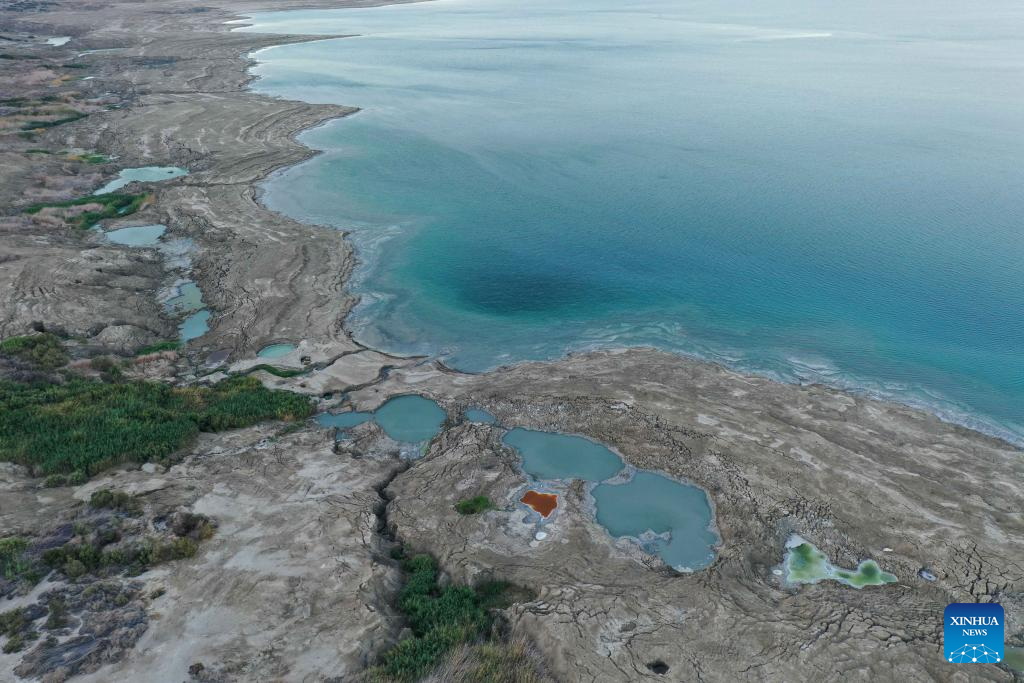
x: 549, y: 455
x: 275, y: 350
x: 194, y: 326
x: 188, y: 298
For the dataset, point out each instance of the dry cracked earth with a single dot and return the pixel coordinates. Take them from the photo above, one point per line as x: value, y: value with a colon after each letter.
x: 297, y: 582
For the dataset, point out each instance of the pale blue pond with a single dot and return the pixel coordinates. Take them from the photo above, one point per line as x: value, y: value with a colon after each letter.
x: 548, y: 455
x: 671, y: 519
x: 481, y: 416
x: 140, y: 236
x: 188, y: 298
x: 275, y: 350
x: 410, y: 419
x: 146, y: 174
x: 817, y: 191
x: 343, y: 420
x: 194, y: 326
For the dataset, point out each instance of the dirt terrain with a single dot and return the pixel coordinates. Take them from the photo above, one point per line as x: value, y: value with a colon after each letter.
x: 297, y: 581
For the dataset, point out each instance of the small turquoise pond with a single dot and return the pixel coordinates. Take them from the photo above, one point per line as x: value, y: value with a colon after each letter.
x: 145, y: 174
x: 275, y: 350
x: 651, y: 502
x: 481, y: 416
x: 410, y: 419
x: 194, y: 326
x: 547, y: 455
x: 188, y: 298
x: 342, y: 420
x: 141, y: 236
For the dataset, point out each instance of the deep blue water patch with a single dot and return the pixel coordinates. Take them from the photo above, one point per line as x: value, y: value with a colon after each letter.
x: 823, y: 192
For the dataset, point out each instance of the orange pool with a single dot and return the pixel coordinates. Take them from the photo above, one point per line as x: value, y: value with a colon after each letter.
x: 544, y: 503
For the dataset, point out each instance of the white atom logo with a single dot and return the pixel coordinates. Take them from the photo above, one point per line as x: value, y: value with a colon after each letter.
x: 974, y: 653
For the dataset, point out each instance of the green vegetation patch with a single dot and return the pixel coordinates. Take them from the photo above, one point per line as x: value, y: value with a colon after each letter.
x: 111, y: 205
x: 115, y: 500
x: 17, y: 628
x: 43, y: 350
x: 70, y: 118
x: 440, y: 619
x: 475, y: 505
x: 80, y: 557
x: 88, y: 157
x: 492, y: 662
x: 87, y: 426
x: 13, y: 563
x: 159, y: 346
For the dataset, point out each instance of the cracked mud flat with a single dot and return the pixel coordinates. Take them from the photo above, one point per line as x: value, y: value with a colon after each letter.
x: 297, y: 583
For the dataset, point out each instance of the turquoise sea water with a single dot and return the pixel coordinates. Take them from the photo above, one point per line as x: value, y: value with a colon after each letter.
x: 814, y: 191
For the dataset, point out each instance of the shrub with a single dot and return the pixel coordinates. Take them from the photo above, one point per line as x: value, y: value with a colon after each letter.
x: 115, y: 500
x: 43, y: 350
x: 84, y: 426
x: 55, y: 480
x: 159, y: 346
x: 474, y: 505
x: 13, y: 564
x: 440, y: 619
x: 57, y: 617
x: 111, y: 205
x: 74, y: 568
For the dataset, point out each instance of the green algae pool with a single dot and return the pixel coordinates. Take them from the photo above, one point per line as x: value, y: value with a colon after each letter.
x: 1014, y: 658
x: 549, y: 455
x: 804, y: 563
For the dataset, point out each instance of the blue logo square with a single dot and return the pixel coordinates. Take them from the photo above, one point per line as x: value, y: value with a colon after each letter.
x: 973, y: 633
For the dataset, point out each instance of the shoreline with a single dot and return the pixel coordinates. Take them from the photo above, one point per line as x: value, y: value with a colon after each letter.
x: 301, y: 561
x: 944, y: 410
x: 244, y: 343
